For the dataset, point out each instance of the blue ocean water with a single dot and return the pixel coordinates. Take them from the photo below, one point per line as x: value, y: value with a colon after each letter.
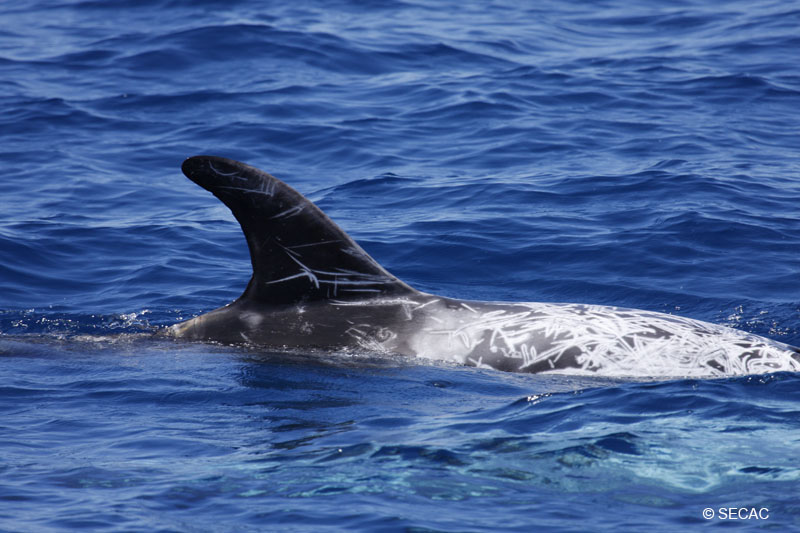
x: 620, y: 153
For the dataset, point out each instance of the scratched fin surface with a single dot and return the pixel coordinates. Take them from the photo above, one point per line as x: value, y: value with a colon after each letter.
x: 298, y: 253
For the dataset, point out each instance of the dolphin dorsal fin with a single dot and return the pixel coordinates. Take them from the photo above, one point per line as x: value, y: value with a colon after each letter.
x: 298, y: 253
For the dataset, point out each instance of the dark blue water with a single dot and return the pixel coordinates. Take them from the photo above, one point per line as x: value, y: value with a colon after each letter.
x: 605, y: 152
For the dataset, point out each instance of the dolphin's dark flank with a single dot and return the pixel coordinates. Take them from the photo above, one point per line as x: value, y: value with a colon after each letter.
x: 313, y: 287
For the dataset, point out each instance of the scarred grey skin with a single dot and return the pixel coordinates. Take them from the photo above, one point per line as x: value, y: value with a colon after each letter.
x: 313, y: 287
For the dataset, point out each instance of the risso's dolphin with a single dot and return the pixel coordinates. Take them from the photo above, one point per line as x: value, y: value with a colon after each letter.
x: 314, y: 288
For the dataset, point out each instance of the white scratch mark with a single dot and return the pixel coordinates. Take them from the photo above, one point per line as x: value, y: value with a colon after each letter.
x: 465, y: 306
x: 288, y: 212
x: 234, y: 174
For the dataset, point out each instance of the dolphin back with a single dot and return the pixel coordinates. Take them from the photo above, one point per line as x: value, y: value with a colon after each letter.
x: 298, y: 253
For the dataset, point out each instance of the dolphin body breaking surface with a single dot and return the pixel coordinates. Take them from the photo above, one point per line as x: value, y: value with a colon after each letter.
x: 314, y: 288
